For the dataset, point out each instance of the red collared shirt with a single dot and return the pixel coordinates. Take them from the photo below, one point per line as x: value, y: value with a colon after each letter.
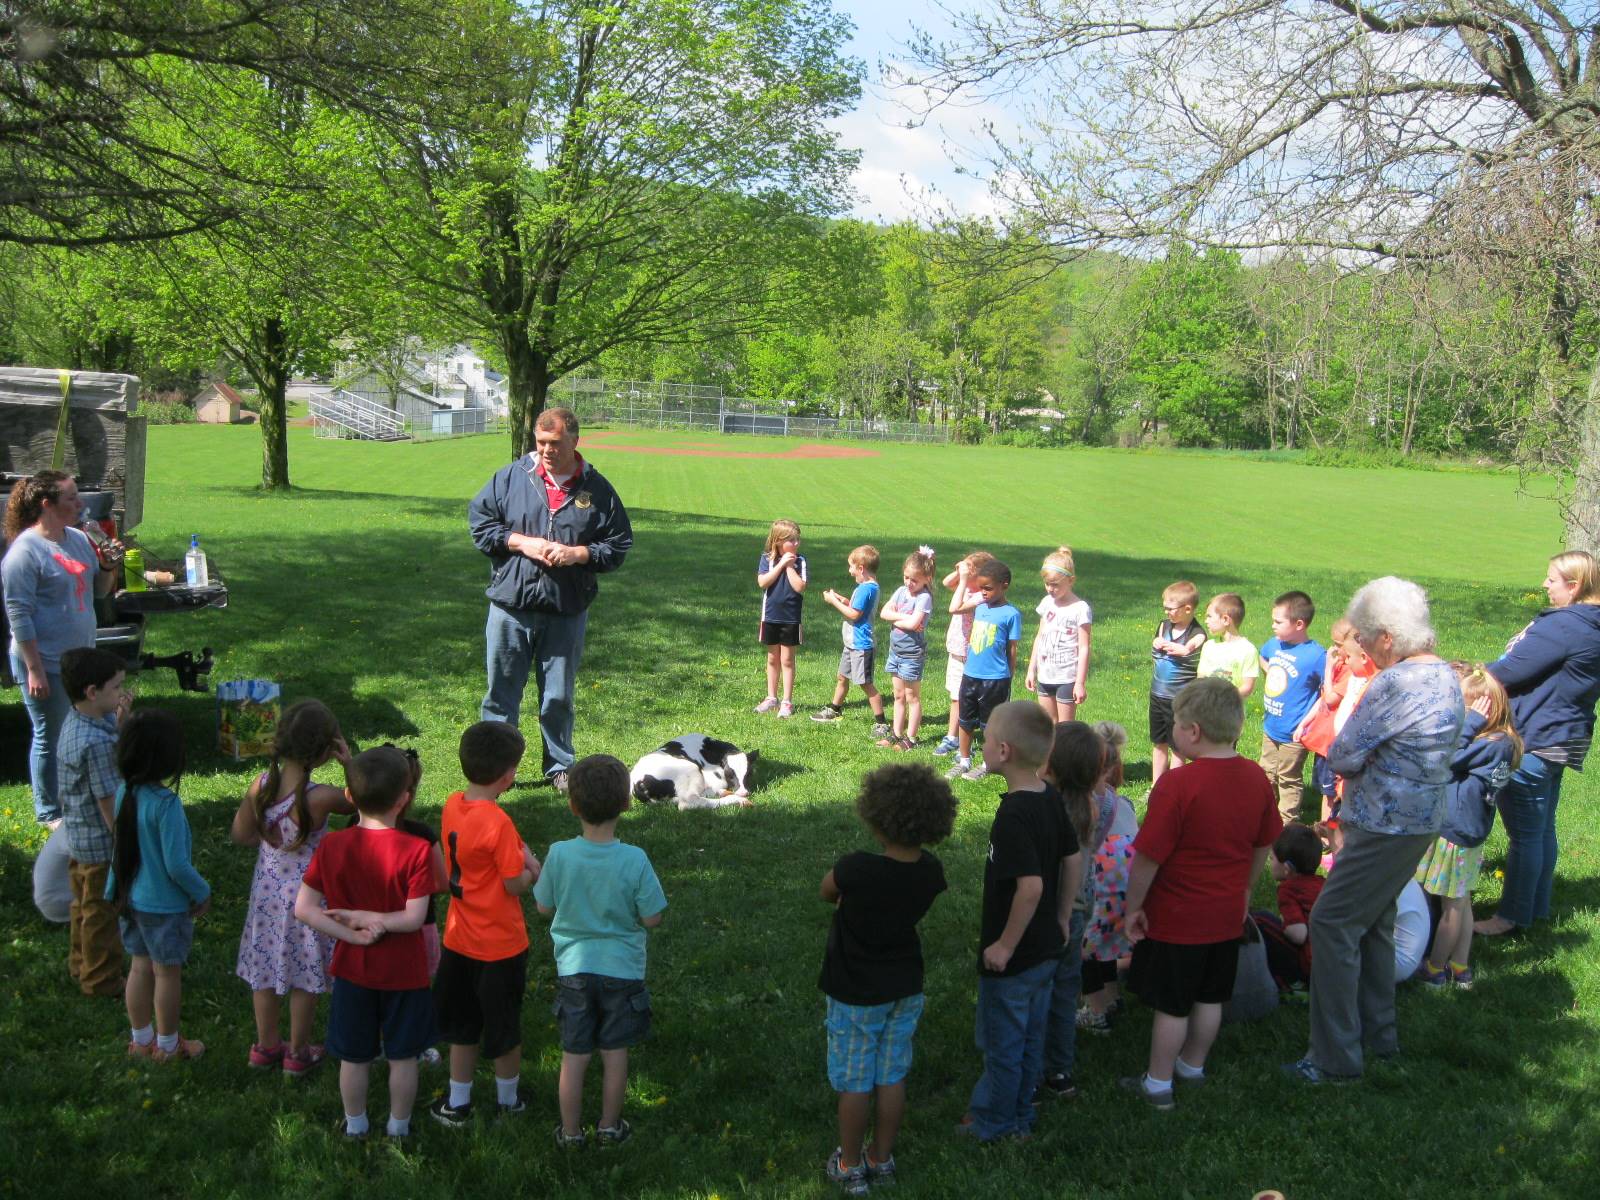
x: 558, y: 493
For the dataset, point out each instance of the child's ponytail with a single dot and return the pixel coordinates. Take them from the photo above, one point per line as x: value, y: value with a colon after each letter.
x: 305, y: 736
x: 1077, y: 758
x: 150, y: 752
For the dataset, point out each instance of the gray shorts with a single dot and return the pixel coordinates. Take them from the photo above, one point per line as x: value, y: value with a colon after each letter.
x: 599, y: 1012
x: 163, y: 938
x: 855, y: 666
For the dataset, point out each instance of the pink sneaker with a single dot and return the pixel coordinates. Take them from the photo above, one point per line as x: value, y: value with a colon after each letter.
x: 186, y: 1049
x: 297, y: 1065
x: 267, y: 1058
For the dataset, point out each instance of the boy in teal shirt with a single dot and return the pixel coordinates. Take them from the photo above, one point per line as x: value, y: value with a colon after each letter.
x: 604, y: 895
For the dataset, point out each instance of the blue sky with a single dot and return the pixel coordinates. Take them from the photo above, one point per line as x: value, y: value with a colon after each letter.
x: 898, y: 164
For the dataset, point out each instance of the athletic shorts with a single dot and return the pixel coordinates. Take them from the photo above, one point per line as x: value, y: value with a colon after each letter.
x: 979, y: 698
x: 1061, y: 693
x: 480, y: 1002
x: 1160, y: 721
x: 1172, y: 978
x: 870, y: 1045
x: 780, y: 633
x: 163, y: 938
x: 855, y: 666
x: 599, y: 1012
x: 954, y: 668
x: 361, y: 1019
x: 906, y: 666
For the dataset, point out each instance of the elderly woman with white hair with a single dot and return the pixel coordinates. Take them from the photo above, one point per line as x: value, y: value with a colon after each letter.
x: 1394, y: 753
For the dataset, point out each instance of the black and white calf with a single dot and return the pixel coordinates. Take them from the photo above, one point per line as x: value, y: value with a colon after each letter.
x: 696, y: 771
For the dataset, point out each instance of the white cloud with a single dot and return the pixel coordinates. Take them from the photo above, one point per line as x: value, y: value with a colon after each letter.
x: 914, y: 162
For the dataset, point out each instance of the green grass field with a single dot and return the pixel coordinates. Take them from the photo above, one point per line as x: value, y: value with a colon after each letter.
x: 362, y: 588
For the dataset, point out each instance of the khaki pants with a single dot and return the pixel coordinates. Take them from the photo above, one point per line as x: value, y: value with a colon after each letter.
x: 1285, y: 765
x: 94, y: 947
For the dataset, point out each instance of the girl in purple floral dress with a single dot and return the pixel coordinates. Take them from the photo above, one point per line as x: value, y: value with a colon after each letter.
x: 285, y: 814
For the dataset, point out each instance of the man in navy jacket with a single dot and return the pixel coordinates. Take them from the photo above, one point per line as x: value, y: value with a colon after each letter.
x: 549, y: 523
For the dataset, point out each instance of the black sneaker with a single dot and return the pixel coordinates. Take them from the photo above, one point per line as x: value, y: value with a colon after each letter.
x: 518, y: 1105
x: 613, y: 1135
x: 1059, y: 1087
x: 449, y: 1114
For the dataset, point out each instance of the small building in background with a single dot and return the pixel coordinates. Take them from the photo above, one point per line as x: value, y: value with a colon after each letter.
x: 219, y: 404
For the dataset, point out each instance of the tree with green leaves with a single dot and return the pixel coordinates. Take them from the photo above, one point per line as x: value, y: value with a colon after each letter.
x: 627, y: 174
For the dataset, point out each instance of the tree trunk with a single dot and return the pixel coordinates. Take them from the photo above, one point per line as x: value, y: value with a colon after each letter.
x: 1583, y: 509
x: 272, y: 378
x: 528, y: 372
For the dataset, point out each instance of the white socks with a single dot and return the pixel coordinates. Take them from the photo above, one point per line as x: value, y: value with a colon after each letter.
x: 460, y: 1094
x: 145, y: 1036
x: 355, y: 1126
x: 397, y: 1127
x: 165, y: 1042
x: 1154, y: 1086
x: 505, y: 1090
x: 1184, y: 1071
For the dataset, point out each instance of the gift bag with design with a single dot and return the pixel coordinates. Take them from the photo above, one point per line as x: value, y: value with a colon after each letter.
x: 247, y: 716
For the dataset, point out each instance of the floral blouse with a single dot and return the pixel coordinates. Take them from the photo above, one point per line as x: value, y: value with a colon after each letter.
x: 1395, y: 749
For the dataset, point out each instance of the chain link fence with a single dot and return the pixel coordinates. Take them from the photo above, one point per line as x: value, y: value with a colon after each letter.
x: 698, y: 407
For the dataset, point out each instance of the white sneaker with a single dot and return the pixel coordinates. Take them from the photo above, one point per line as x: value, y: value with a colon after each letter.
x: 786, y: 709
x: 767, y: 705
x: 963, y: 765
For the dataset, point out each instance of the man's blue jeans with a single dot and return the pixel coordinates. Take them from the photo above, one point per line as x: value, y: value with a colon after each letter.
x: 47, y: 716
x: 1528, y: 808
x: 1012, y: 1013
x: 1061, y: 1031
x: 552, y: 646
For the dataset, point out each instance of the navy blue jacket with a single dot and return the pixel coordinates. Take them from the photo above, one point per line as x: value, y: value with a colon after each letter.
x: 1479, y: 771
x: 514, y: 501
x: 1551, y: 670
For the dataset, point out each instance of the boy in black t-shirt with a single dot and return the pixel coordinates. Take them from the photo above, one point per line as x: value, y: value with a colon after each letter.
x: 872, y: 968
x: 1032, y: 874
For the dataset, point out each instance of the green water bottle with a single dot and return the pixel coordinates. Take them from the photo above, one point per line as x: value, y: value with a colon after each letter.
x: 133, y: 570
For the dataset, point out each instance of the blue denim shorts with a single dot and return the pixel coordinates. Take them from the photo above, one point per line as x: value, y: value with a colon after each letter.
x: 870, y: 1045
x: 163, y: 938
x: 598, y: 1012
x: 906, y: 667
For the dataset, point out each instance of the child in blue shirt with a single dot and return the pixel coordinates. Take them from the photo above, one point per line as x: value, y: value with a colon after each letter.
x: 856, y: 659
x: 1292, y: 664
x: 153, y: 883
x: 603, y: 895
x: 991, y: 660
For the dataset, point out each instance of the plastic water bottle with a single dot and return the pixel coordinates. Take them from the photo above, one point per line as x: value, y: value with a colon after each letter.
x: 194, y: 564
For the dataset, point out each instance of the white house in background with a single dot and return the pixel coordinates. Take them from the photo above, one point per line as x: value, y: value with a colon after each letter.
x: 461, y: 371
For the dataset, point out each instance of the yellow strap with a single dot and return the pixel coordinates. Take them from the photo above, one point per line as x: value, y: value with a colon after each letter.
x: 58, y: 456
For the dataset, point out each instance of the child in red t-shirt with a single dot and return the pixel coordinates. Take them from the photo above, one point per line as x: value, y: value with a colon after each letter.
x: 483, y: 969
x: 1204, y: 839
x: 1294, y: 860
x: 376, y: 882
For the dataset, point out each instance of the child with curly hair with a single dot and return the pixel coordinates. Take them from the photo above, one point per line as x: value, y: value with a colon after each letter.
x: 872, y: 968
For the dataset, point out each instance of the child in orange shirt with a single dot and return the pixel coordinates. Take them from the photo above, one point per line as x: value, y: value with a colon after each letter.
x: 477, y: 992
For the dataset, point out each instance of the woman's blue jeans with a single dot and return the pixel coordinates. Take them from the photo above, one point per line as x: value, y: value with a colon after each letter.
x: 47, y: 716
x: 1528, y: 808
